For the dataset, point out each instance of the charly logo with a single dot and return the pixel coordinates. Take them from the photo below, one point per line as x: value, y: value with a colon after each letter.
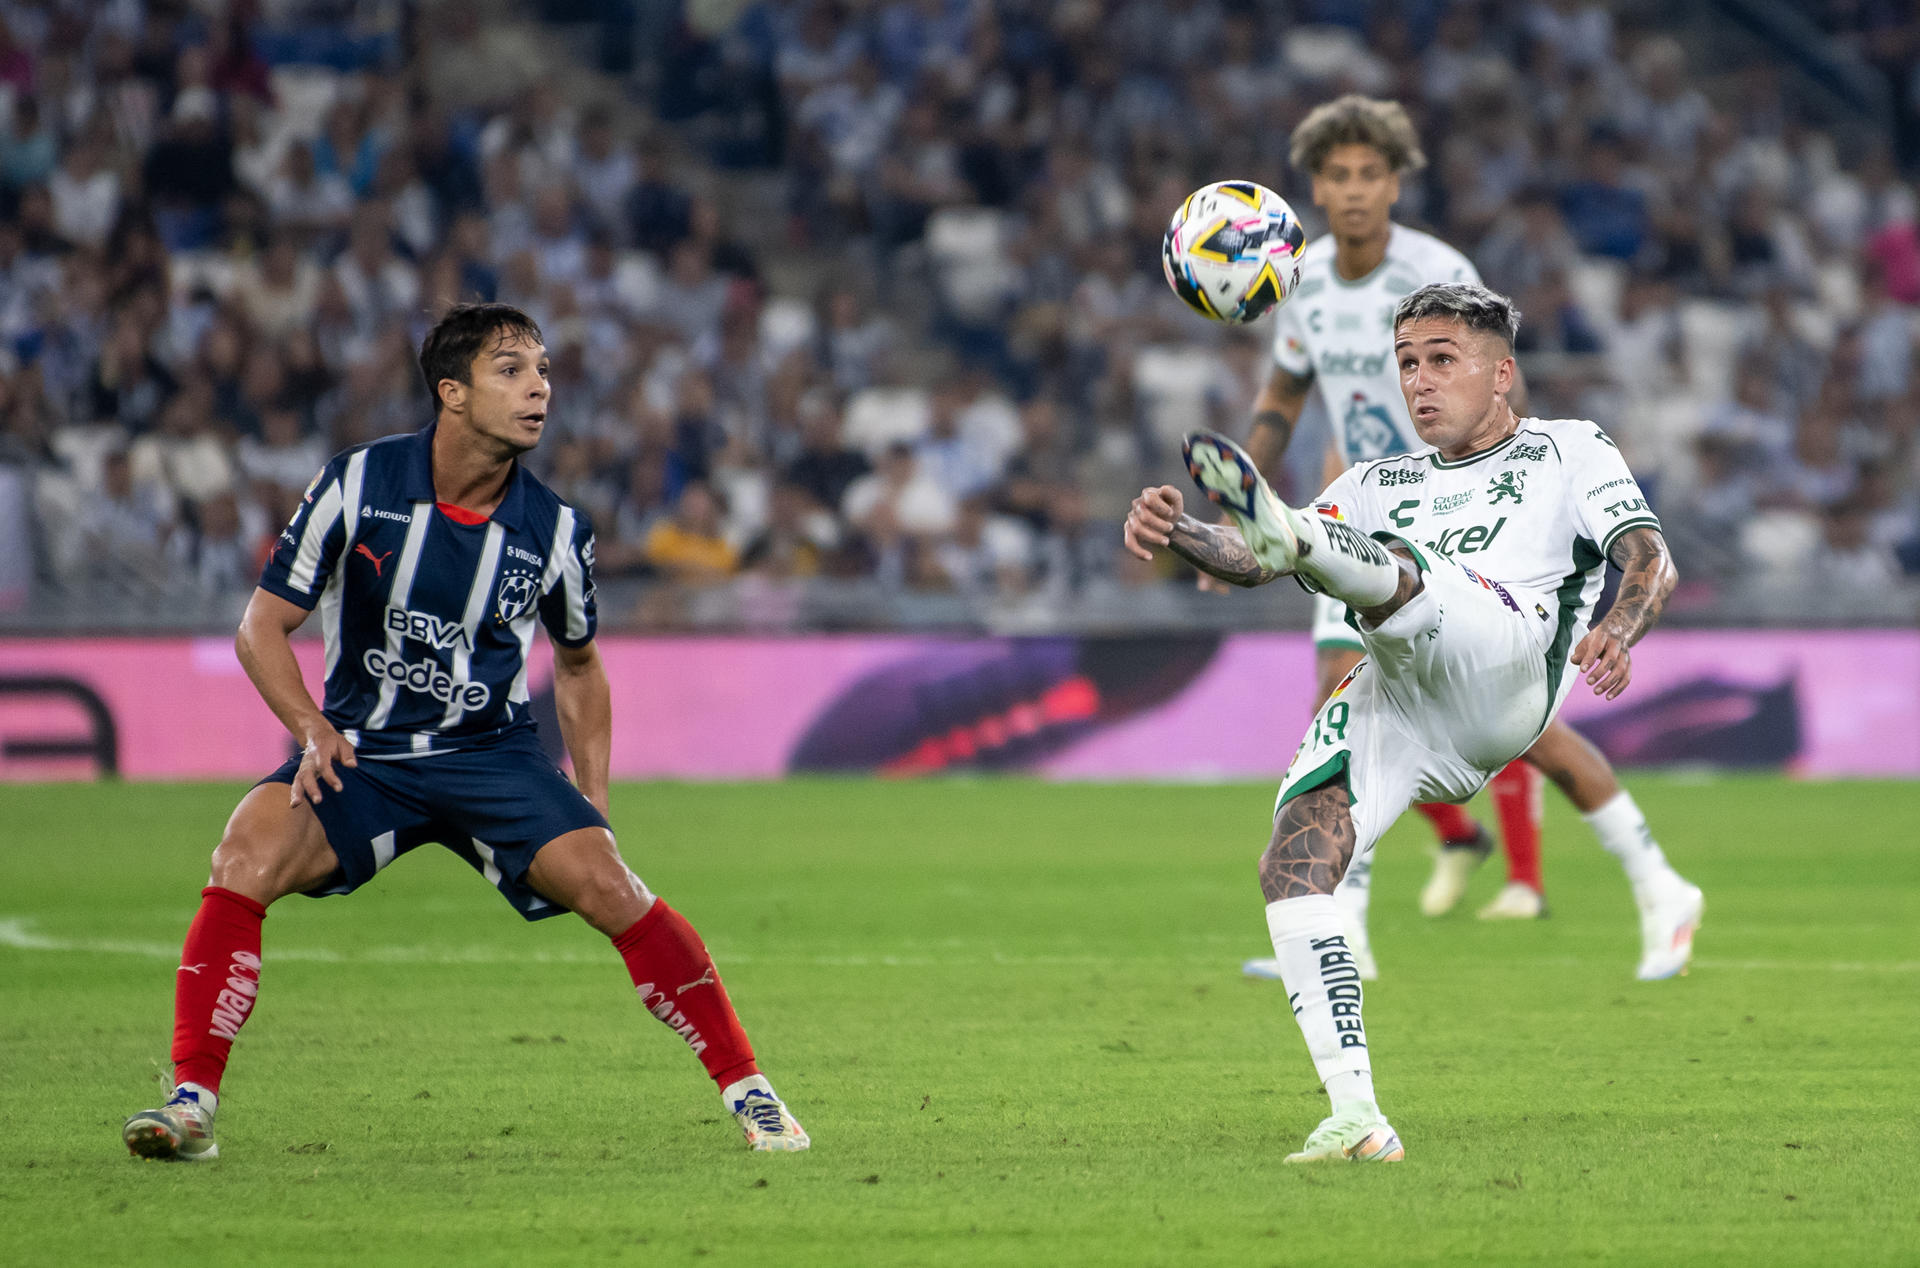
x: 516, y: 596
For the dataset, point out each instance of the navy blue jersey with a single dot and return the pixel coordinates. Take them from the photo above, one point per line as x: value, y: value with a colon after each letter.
x: 428, y: 622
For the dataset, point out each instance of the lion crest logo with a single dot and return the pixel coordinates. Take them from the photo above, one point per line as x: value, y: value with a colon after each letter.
x: 516, y: 596
x: 1506, y: 487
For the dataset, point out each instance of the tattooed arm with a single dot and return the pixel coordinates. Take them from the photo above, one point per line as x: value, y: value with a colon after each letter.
x: 1648, y: 577
x: 1156, y: 519
x: 1274, y: 413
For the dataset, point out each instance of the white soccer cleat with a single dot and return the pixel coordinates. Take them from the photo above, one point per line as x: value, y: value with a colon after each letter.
x: 1515, y: 902
x: 1453, y: 867
x: 179, y: 1131
x: 1359, y: 1133
x: 1228, y: 477
x: 763, y: 1117
x: 1668, y: 919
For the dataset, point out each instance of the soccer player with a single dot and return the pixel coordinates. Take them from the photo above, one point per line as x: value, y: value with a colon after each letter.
x: 1334, y: 336
x: 1470, y: 569
x: 431, y: 557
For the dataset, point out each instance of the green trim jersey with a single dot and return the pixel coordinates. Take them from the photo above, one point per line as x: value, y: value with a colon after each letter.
x: 1531, y: 519
x: 1340, y: 335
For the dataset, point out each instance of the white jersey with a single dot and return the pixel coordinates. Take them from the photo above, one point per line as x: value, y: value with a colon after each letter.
x: 1532, y: 518
x: 1340, y: 334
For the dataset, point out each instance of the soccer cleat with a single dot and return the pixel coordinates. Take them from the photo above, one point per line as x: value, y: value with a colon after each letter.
x: 1230, y: 480
x: 1453, y: 866
x: 763, y: 1116
x: 179, y: 1131
x: 1515, y: 902
x: 1668, y: 920
x: 1358, y: 1133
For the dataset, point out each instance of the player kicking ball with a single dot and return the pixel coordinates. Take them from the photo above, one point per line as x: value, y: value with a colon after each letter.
x: 1465, y: 667
x: 430, y: 558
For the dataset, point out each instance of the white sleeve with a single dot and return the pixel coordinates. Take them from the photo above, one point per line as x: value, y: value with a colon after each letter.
x: 1347, y: 500
x: 1290, y: 343
x: 1606, y: 499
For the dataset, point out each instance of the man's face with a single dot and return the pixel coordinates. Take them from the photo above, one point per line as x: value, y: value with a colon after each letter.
x: 507, y: 399
x: 1357, y: 189
x: 1450, y: 376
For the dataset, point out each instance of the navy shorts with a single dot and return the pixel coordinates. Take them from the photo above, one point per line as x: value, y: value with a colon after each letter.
x: 493, y: 805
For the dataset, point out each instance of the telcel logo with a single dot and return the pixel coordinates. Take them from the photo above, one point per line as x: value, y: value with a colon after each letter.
x: 426, y: 678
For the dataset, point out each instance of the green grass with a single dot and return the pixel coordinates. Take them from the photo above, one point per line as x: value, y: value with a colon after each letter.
x: 1011, y: 1016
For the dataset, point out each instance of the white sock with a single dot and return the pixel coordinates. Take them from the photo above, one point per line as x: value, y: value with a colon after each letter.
x: 1345, y: 562
x: 1623, y: 832
x: 1323, y: 986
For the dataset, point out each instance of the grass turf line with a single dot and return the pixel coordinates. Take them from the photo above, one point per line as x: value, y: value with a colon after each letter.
x: 1011, y: 1016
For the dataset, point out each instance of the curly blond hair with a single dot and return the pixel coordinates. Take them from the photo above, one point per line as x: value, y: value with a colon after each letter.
x: 1357, y: 120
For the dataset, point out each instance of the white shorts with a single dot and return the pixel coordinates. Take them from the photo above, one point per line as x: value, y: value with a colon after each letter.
x: 1330, y: 629
x: 1454, y: 685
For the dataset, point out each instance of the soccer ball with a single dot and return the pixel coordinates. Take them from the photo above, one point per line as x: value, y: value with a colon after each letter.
x: 1233, y: 251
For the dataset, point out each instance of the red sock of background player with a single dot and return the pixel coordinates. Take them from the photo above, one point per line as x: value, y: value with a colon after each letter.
x: 215, y: 986
x: 1516, y: 798
x: 678, y: 984
x: 1451, y: 822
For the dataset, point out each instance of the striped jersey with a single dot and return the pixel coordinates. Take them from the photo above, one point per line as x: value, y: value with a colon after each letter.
x: 429, y: 621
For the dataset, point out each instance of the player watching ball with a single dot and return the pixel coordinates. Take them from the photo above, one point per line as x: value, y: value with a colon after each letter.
x: 431, y: 557
x: 1334, y: 336
x: 1464, y: 667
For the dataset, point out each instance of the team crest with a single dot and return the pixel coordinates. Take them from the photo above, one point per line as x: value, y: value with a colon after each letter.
x: 516, y: 596
x: 1506, y: 487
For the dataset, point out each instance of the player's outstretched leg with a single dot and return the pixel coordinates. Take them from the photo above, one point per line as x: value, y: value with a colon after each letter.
x: 1516, y: 799
x: 269, y: 849
x: 1336, y: 558
x: 1670, y: 905
x: 672, y: 973
x: 1312, y: 845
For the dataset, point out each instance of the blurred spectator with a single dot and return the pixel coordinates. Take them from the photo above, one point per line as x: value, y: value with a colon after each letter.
x: 689, y: 547
x: 28, y: 150
x: 1606, y: 215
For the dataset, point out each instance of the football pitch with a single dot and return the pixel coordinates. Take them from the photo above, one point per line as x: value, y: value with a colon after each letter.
x: 1012, y: 1018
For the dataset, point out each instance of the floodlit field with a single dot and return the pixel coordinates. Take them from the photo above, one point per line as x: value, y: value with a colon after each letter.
x: 1012, y: 1018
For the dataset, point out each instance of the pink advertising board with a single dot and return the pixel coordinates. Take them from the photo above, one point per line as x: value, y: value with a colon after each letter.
x: 1826, y: 703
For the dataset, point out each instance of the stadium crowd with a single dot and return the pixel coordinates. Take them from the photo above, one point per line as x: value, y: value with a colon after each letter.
x: 940, y: 356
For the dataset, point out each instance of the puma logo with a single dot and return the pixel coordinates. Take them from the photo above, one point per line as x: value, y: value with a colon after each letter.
x: 705, y: 979
x: 361, y: 549
x: 191, y: 968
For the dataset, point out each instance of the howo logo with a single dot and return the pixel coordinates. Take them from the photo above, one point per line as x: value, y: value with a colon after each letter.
x: 426, y: 678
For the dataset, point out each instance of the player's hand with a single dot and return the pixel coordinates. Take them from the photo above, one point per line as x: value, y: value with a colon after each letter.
x: 1151, y: 519
x: 1207, y: 583
x: 1603, y: 657
x: 325, y: 747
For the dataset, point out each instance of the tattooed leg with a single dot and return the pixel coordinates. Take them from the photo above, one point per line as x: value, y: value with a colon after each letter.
x: 1313, y: 841
x: 1312, y: 844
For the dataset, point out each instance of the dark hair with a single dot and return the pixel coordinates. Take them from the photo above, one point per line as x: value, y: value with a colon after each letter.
x: 1475, y: 307
x: 1357, y: 120
x: 462, y: 334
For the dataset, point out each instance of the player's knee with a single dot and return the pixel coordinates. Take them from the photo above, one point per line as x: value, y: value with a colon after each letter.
x: 611, y: 898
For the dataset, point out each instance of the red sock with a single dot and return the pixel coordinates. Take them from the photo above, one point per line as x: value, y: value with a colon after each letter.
x: 1452, y: 822
x: 1516, y: 798
x: 215, y: 986
x: 678, y: 984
